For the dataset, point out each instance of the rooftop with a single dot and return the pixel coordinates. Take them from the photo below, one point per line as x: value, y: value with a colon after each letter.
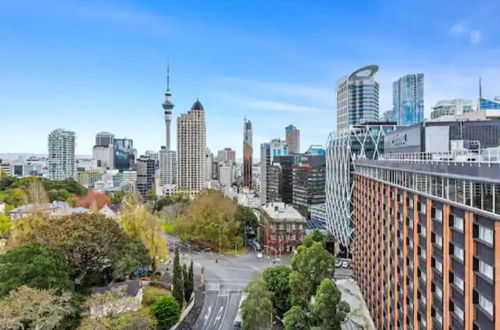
x: 283, y: 212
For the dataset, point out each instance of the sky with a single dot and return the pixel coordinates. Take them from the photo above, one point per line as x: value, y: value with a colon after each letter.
x: 91, y: 66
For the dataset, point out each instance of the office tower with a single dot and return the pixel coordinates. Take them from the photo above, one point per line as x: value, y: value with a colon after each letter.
x: 280, y: 185
x: 191, y: 147
x: 209, y: 159
x: 363, y: 140
x: 426, y: 253
x: 168, y: 166
x: 308, y: 182
x: 357, y: 98
x: 129, y: 181
x: 451, y: 108
x: 268, y: 151
x: 124, y: 154
x: 315, y: 150
x: 103, y: 150
x: 146, y: 167
x: 226, y: 155
x: 247, y: 153
x: 408, y: 99
x: 292, y: 137
x: 61, y: 157
x: 226, y: 174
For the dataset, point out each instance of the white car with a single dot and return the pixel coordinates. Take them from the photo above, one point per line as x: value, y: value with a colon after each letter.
x: 259, y: 255
x: 345, y: 264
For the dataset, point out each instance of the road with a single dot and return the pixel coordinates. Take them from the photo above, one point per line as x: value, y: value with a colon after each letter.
x: 225, y: 280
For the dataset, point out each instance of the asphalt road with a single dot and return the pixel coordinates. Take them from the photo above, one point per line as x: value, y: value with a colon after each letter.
x: 225, y: 280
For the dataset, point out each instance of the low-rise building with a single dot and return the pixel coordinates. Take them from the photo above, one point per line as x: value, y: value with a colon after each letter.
x: 54, y: 209
x: 117, y: 298
x: 283, y: 228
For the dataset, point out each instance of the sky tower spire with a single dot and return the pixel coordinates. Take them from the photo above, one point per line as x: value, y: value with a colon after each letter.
x: 168, y: 106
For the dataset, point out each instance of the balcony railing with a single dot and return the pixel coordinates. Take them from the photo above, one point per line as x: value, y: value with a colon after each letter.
x: 490, y: 156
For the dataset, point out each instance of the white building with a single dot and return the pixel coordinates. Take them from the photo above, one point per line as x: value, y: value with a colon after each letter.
x: 451, y: 108
x: 129, y: 180
x: 191, y: 147
x: 168, y: 166
x: 61, y: 154
x: 103, y: 151
x: 225, y: 174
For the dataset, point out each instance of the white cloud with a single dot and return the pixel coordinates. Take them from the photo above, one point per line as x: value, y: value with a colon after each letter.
x: 460, y: 29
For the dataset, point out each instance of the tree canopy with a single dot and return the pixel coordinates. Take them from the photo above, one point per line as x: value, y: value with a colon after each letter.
x: 33, y: 265
x: 277, y: 282
x: 166, y: 311
x: 328, y: 310
x: 210, y: 219
x: 257, y: 308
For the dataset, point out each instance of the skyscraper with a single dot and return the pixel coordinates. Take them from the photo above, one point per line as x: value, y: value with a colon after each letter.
x: 61, y: 154
x: 357, y: 98
x: 292, y: 137
x: 145, y: 174
x: 124, y: 154
x: 247, y: 153
x: 408, y: 99
x: 268, y: 151
x: 103, y: 151
x: 191, y: 147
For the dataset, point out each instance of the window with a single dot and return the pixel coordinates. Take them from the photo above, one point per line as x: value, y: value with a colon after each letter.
x: 486, y: 304
x: 486, y: 234
x: 439, y: 318
x: 423, y: 276
x: 458, y: 223
x: 458, y: 312
x: 423, y: 254
x: 424, y: 300
x: 486, y: 269
x: 439, y: 292
x: 439, y: 266
x: 410, y: 203
x: 438, y: 214
x: 458, y: 252
x: 458, y: 282
x: 438, y: 240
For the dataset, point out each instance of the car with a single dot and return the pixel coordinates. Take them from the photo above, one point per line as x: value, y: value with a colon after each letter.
x: 260, y: 255
x: 345, y: 264
x: 338, y: 264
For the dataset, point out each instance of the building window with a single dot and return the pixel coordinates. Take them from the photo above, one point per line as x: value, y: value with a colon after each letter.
x: 458, y: 312
x: 439, y: 266
x: 439, y: 318
x: 458, y: 282
x: 458, y: 223
x: 423, y: 253
x: 486, y: 234
x: 458, y: 252
x: 486, y: 305
x: 438, y: 214
x: 438, y: 240
x: 423, y: 276
x: 486, y: 269
x: 439, y: 292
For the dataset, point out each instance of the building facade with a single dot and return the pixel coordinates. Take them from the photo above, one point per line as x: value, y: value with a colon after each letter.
x: 283, y: 228
x: 451, y: 108
x: 145, y: 175
x: 61, y: 158
x: 360, y: 141
x: 281, y: 179
x: 168, y: 166
x: 191, y: 147
x: 357, y: 98
x: 308, y: 182
x: 426, y: 251
x: 292, y: 138
x: 408, y: 99
x: 247, y: 153
x: 125, y: 154
x: 103, y: 150
x: 268, y: 151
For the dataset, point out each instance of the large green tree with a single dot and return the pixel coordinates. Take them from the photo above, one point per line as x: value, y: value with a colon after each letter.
x: 166, y: 311
x: 33, y: 265
x: 297, y: 318
x: 327, y: 309
x: 247, y: 219
x: 257, y: 308
x: 28, y: 308
x: 5, y: 224
x: 13, y: 197
x: 129, y: 257
x: 210, y: 219
x: 277, y: 282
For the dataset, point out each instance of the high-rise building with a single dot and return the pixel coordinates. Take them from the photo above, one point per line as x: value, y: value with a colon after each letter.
x: 124, y: 154
x: 453, y: 107
x: 268, y: 151
x: 408, y: 99
x: 280, y: 183
x: 226, y: 174
x: 146, y: 167
x: 168, y: 166
x: 292, y: 137
x: 104, y: 139
x: 226, y: 155
x: 357, y: 98
x: 426, y: 254
x: 209, y: 159
x: 363, y: 140
x: 247, y: 153
x: 386, y: 116
x: 308, y: 182
x: 61, y: 159
x: 191, y: 148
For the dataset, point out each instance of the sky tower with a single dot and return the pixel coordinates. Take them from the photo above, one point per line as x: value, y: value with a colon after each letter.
x: 168, y: 106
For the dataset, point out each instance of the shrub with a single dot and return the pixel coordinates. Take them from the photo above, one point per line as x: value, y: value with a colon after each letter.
x: 167, y: 311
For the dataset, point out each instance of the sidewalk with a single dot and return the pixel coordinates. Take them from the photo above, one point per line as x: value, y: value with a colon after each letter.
x: 190, y: 320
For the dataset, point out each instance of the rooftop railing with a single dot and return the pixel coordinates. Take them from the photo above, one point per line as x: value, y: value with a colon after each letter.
x: 489, y: 157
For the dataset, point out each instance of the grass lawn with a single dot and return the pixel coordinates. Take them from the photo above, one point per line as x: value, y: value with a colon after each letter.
x: 151, y: 293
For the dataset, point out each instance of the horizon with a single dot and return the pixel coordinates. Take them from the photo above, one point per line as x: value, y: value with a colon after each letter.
x: 273, y: 63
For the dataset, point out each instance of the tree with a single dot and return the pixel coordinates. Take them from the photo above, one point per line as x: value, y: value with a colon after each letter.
x: 300, y: 289
x: 167, y: 311
x: 315, y: 263
x: 36, y: 193
x: 28, y: 308
x: 118, y: 196
x: 178, y: 286
x: 138, y: 222
x: 257, y: 308
x: 328, y: 310
x: 247, y: 219
x: 297, y: 318
x: 89, y: 242
x: 13, y: 197
x: 34, y: 265
x: 210, y: 219
x: 93, y: 200
x: 129, y: 257
x: 314, y: 236
x: 59, y: 195
x: 188, y: 282
x: 5, y: 224
x: 277, y: 282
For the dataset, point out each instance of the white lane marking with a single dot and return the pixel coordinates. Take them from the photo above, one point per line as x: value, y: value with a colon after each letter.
x: 212, y: 315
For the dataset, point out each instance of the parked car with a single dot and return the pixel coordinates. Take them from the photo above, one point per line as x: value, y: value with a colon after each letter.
x: 345, y: 264
x: 260, y: 255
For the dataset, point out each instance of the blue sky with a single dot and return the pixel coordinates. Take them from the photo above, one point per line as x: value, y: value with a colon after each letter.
x: 92, y: 65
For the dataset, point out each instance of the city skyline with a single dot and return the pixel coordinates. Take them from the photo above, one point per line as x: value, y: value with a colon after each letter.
x: 114, y: 75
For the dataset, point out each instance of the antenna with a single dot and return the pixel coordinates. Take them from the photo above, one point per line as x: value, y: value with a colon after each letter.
x: 168, y: 75
x: 480, y: 89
